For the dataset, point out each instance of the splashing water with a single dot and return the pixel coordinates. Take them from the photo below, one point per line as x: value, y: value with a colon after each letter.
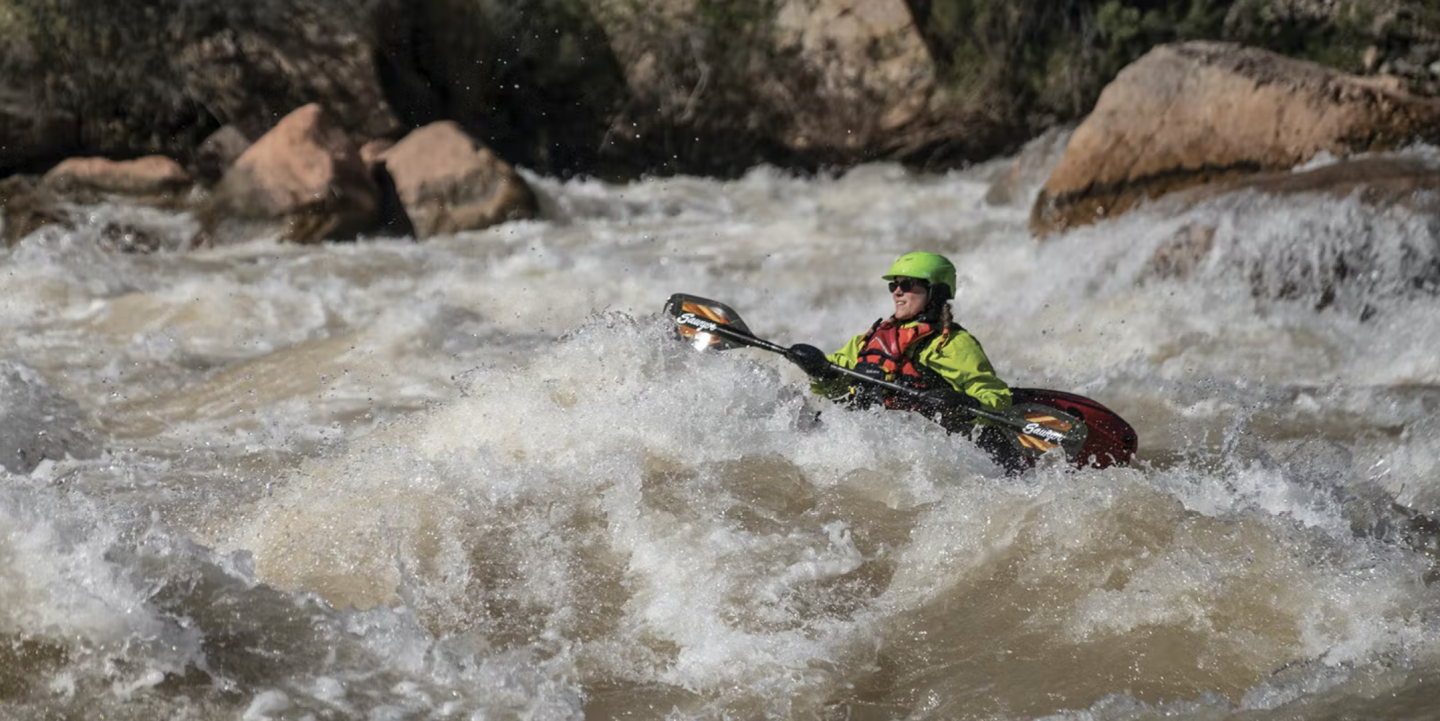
x: 477, y: 477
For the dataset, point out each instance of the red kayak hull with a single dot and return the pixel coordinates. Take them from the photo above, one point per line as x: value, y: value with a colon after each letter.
x: 1110, y: 442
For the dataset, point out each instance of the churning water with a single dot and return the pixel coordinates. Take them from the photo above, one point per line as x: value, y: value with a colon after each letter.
x: 476, y: 478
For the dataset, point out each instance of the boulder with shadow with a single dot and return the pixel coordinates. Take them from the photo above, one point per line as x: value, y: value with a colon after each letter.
x: 448, y: 182
x: 302, y: 182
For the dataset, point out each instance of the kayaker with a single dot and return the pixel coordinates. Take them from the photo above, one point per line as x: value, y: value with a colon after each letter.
x: 920, y: 346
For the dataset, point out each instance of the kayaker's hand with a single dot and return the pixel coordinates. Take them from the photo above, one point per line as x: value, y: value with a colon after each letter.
x: 866, y: 395
x: 812, y: 360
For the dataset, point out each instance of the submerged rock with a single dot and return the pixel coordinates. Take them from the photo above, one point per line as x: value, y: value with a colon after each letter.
x: 1198, y: 113
x: 1183, y: 253
x: 36, y: 422
x: 1028, y: 171
x: 1370, y: 236
x: 116, y: 222
x: 302, y: 182
x: 448, y: 182
x: 1371, y: 510
x: 25, y: 207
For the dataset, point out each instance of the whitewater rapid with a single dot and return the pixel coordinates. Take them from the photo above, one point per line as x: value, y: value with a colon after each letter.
x: 476, y: 477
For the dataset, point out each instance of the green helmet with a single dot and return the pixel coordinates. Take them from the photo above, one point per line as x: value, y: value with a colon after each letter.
x: 937, y: 269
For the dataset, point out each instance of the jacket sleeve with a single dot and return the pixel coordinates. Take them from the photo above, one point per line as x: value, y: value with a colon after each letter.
x: 846, y: 357
x: 963, y: 362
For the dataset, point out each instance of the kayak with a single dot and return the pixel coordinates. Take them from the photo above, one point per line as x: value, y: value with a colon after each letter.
x: 1038, y: 421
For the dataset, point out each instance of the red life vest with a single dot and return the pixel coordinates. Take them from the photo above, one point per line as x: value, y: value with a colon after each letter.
x: 894, y: 347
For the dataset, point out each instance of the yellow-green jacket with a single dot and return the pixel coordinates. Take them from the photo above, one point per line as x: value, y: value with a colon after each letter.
x: 960, y: 361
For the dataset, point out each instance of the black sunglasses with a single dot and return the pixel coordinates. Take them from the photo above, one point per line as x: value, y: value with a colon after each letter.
x: 907, y: 285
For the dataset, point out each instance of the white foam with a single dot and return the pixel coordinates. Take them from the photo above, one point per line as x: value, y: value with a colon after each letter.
x: 574, y: 491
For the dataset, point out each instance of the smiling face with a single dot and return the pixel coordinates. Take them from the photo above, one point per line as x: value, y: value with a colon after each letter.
x: 910, y: 296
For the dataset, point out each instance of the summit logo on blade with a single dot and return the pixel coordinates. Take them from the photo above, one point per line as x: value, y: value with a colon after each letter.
x: 1039, y: 431
x: 694, y: 321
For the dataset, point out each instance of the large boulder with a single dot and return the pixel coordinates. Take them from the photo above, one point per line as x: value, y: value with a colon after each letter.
x: 728, y: 84
x: 158, y: 76
x: 1194, y: 113
x: 448, y: 182
x: 872, y: 69
x: 303, y: 182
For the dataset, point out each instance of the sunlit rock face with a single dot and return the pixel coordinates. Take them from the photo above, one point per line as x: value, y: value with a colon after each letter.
x: 1195, y: 113
x: 303, y: 182
x: 815, y: 81
x: 448, y: 182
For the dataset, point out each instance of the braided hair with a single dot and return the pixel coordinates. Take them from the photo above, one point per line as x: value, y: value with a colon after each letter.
x: 937, y: 311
